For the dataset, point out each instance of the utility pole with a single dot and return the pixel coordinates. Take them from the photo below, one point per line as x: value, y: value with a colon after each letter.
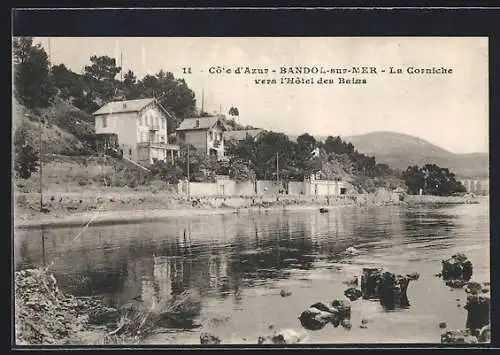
x: 121, y: 66
x: 202, y: 100
x: 278, y: 172
x: 188, y: 171
x: 41, y: 164
x: 48, y: 39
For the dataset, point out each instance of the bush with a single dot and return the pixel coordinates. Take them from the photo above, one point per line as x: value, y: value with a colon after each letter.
x: 26, y: 158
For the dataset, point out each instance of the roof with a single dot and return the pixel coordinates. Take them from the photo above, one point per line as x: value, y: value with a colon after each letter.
x: 125, y: 106
x: 242, y: 134
x: 203, y: 123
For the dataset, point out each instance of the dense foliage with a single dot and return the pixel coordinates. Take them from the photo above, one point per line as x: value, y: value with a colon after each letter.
x: 33, y: 85
x: 298, y: 160
x: 26, y: 157
x: 432, y: 180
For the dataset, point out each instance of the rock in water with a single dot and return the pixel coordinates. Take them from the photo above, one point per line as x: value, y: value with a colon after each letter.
x: 370, y: 280
x: 323, y: 210
x: 392, y: 291
x: 484, y: 334
x: 458, y: 337
x: 343, y: 309
x: 353, y: 293
x: 389, y: 288
x: 316, y: 317
x: 442, y: 325
x: 284, y: 336
x: 473, y: 288
x: 478, y: 312
x: 458, y: 267
x: 209, y: 338
x: 285, y: 293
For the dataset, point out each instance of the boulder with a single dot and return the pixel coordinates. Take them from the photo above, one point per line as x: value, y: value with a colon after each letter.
x: 458, y: 267
x: 285, y: 293
x: 284, y: 336
x: 387, y: 287
x: 458, y: 337
x: 353, y: 293
x: 473, y: 288
x: 317, y: 316
x: 342, y: 309
x: 369, y: 282
x: 478, y: 312
x: 392, y: 291
x: 209, y: 339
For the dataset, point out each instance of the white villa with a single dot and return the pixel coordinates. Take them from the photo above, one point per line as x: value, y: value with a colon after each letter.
x: 139, y: 127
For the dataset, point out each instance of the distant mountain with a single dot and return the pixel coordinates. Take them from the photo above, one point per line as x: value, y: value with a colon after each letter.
x: 401, y: 150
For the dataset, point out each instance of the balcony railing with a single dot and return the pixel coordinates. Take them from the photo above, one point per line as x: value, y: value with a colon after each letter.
x: 154, y: 127
x: 163, y: 145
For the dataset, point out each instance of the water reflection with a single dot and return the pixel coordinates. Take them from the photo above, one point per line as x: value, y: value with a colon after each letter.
x: 221, y: 256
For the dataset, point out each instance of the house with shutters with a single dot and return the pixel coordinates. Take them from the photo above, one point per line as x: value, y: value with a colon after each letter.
x: 137, y: 127
x: 206, y: 134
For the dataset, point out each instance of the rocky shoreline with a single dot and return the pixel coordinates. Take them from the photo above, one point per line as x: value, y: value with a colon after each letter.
x: 46, y: 315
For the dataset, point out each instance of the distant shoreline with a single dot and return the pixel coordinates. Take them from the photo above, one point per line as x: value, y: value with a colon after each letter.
x: 111, y: 217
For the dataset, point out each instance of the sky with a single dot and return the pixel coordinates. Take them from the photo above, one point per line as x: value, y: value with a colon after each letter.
x: 449, y: 110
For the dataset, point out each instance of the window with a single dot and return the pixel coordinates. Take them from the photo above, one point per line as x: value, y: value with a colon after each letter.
x: 220, y: 136
x: 104, y: 122
x: 157, y: 121
x: 211, y: 135
x: 162, y: 123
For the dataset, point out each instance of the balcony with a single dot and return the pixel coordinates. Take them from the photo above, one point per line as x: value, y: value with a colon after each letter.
x: 161, y: 145
x: 154, y: 127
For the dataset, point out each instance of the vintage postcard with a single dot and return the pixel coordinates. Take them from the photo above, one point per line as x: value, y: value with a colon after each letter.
x: 251, y: 190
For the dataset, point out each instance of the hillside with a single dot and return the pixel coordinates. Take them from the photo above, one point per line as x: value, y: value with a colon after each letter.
x: 64, y: 132
x: 401, y: 150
